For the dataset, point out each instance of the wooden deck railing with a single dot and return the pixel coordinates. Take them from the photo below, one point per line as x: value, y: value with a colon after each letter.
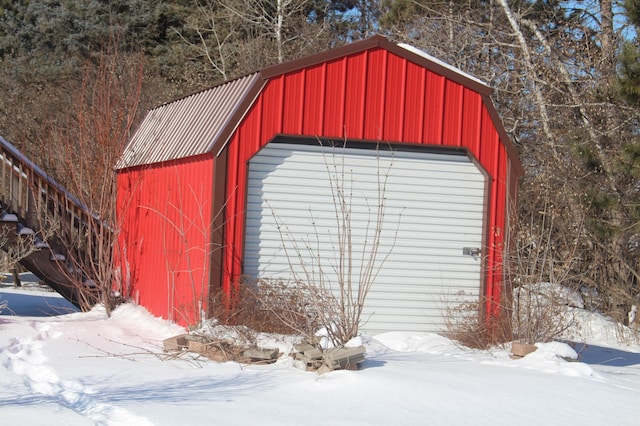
x: 40, y: 202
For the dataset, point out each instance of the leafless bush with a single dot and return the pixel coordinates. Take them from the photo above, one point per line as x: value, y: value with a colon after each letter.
x: 544, y: 284
x: 542, y: 313
x: 536, y: 313
x: 468, y: 325
x: 86, y: 148
x: 267, y: 306
x: 15, y: 248
x: 334, y: 286
x: 538, y: 294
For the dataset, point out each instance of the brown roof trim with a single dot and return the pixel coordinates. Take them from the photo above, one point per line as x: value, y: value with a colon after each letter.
x: 504, y: 137
x: 328, y: 55
x: 447, y: 72
x: 236, y: 117
x: 371, y: 43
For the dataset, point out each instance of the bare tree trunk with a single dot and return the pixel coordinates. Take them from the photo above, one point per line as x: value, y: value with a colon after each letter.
x: 537, y: 92
x: 278, y: 30
x: 607, y: 41
x: 564, y: 73
x: 450, y: 24
x: 608, y: 70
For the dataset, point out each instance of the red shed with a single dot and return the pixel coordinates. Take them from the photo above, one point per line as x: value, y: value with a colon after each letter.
x: 240, y: 181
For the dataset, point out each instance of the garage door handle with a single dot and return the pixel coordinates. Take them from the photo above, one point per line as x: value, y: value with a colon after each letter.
x: 471, y: 251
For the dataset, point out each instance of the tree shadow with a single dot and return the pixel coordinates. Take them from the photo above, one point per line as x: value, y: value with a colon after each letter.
x: 599, y: 355
x: 113, y: 391
x: 35, y: 305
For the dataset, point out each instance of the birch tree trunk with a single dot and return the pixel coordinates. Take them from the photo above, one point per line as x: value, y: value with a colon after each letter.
x: 539, y: 98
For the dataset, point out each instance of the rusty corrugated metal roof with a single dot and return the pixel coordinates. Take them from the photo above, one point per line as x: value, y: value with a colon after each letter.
x: 191, y: 125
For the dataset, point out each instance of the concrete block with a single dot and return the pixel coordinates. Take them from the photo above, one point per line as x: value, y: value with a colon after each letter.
x: 519, y: 350
x: 256, y: 354
x: 198, y: 344
x: 175, y: 343
x: 303, y: 347
x: 345, y: 358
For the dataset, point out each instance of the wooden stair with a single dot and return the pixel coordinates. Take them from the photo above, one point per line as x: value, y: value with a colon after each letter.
x: 30, y: 201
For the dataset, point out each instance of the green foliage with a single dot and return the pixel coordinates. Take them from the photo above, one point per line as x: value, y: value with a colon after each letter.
x: 629, y: 161
x: 628, y: 82
x: 588, y: 156
x: 632, y: 10
x: 58, y: 35
x: 600, y: 203
x: 629, y: 72
x: 398, y: 11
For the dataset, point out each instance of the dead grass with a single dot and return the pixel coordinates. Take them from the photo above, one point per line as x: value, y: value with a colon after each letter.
x: 535, y: 314
x: 468, y: 325
x: 266, y: 306
x: 536, y: 295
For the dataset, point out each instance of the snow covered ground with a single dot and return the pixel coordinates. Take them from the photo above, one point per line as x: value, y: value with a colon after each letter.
x: 87, y: 369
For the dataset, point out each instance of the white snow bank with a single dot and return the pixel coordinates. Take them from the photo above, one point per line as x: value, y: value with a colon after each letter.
x: 429, y: 343
x: 127, y: 315
x: 87, y: 369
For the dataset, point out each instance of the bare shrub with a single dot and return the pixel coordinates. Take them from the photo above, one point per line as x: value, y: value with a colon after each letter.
x: 538, y: 294
x: 334, y: 286
x: 544, y: 284
x: 467, y: 324
x: 541, y: 313
x: 535, y: 313
x: 266, y: 306
x: 87, y: 146
x: 17, y: 247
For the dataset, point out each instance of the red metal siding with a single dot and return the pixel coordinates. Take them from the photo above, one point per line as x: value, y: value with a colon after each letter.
x: 334, y: 107
x: 314, y: 100
x: 435, y: 109
x: 374, y: 95
x: 452, y: 117
x: 163, y: 245
x: 472, y: 117
x: 294, y: 96
x: 415, y: 103
x: 272, y: 119
x: 232, y: 251
x: 355, y: 97
x: 393, y: 117
x: 497, y: 247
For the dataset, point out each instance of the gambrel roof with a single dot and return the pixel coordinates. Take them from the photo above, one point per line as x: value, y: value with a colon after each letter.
x: 203, y: 122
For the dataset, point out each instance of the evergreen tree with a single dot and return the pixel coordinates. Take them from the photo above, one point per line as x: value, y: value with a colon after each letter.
x: 629, y: 59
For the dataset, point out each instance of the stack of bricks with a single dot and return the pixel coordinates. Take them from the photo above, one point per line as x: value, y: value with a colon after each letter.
x: 340, y: 358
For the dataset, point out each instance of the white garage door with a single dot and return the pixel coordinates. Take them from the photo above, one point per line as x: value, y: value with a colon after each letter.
x: 433, y: 210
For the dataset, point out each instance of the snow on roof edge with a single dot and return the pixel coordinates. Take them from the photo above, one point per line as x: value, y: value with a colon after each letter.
x: 425, y: 55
